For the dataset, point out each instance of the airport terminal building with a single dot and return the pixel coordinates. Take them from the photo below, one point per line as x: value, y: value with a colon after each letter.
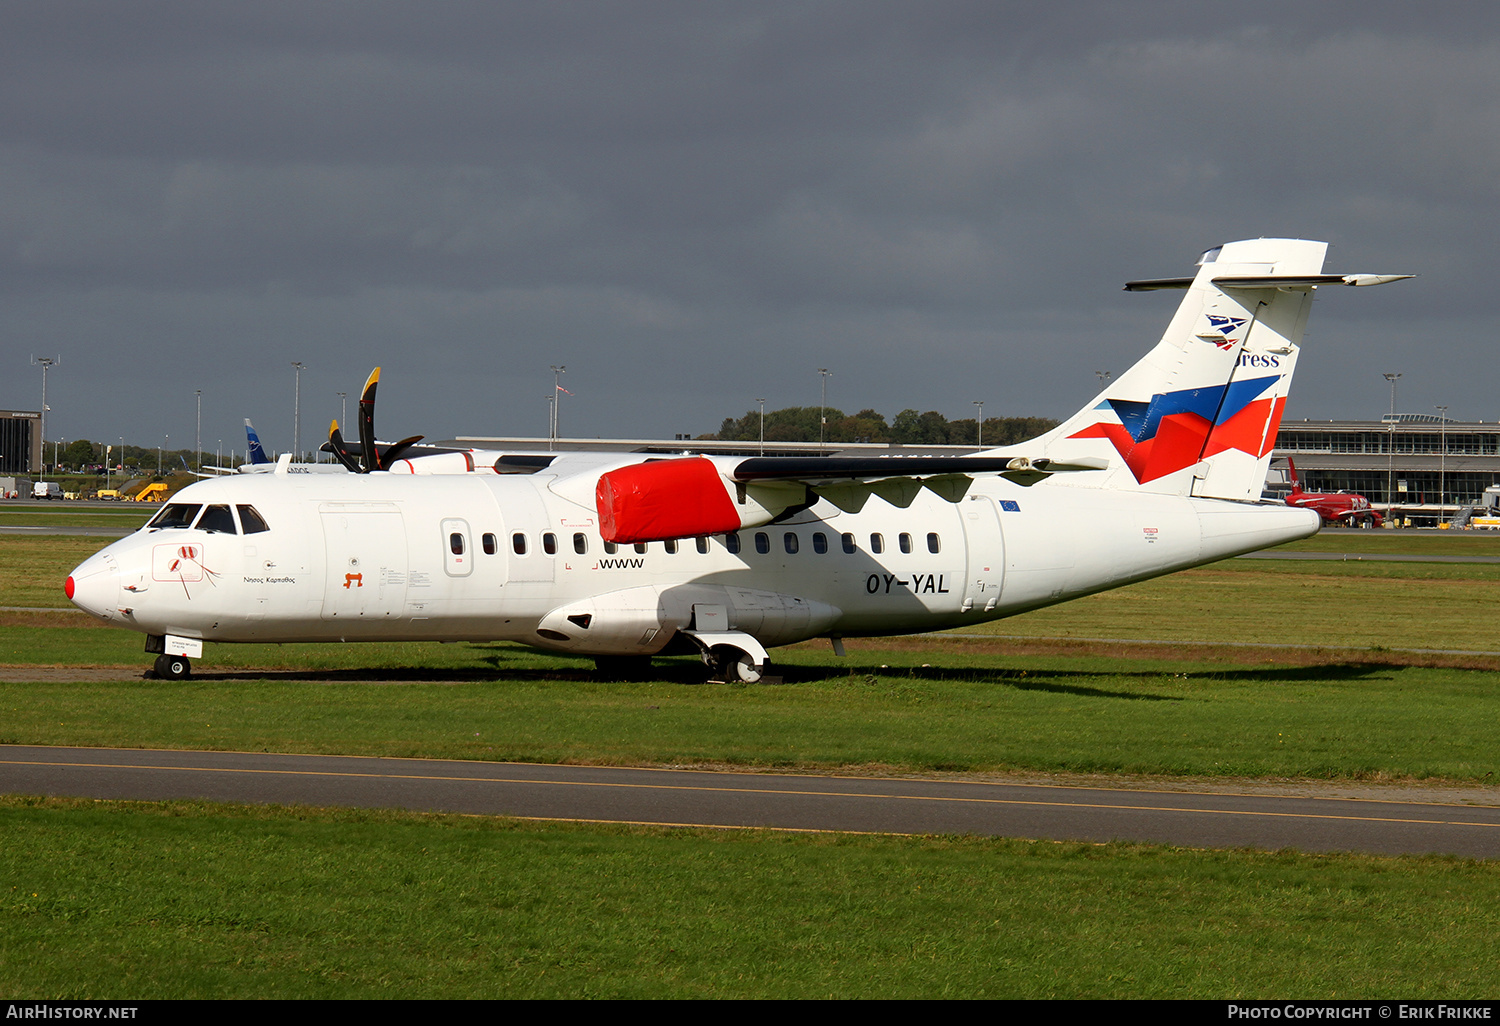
x: 20, y: 442
x: 1407, y: 459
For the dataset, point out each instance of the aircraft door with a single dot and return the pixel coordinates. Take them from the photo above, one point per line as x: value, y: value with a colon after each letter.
x: 986, y: 553
x: 366, y: 574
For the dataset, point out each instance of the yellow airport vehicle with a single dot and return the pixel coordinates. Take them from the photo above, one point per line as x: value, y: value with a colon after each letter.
x: 156, y: 492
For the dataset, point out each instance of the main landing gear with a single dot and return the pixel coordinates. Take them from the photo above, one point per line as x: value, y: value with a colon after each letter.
x: 170, y: 667
x: 734, y: 666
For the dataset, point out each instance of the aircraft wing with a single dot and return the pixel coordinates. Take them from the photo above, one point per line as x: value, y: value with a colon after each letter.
x: 677, y: 498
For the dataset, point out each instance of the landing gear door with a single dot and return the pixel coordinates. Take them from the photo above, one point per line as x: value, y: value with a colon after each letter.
x: 367, y: 569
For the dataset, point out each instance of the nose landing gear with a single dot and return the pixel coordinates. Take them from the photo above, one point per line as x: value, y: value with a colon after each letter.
x: 171, y: 667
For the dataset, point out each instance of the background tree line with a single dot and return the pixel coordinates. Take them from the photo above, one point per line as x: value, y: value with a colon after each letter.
x: 800, y: 424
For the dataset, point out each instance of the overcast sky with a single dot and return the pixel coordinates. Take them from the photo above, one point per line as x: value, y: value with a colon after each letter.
x: 692, y: 205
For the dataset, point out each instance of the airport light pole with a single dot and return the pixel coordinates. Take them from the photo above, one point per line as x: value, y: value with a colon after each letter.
x: 343, y: 409
x: 557, y: 390
x: 979, y: 421
x: 1104, y: 377
x: 1390, y: 449
x: 198, y: 433
x: 1442, y: 456
x: 297, y: 369
x: 823, y: 405
x: 762, y: 426
x: 47, y: 362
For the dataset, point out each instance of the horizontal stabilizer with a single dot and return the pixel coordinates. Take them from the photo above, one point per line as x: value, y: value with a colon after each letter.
x: 1268, y: 281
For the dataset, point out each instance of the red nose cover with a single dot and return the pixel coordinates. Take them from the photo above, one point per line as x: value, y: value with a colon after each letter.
x: 664, y: 499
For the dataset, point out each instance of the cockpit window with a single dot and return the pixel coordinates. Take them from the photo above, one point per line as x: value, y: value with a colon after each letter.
x: 175, y: 514
x: 251, y: 521
x: 217, y: 520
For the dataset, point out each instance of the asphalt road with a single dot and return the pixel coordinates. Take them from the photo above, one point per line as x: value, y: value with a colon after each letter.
x: 777, y: 801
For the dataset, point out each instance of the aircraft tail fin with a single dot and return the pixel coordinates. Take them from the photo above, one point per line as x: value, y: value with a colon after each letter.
x: 257, y: 453
x: 1291, y: 473
x: 1198, y: 415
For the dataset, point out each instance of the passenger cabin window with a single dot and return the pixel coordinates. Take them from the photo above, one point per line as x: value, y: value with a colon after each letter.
x: 518, y: 543
x: 217, y: 520
x: 175, y: 514
x: 702, y: 544
x: 490, y: 543
x: 250, y: 521
x: 549, y: 543
x: 732, y: 542
x: 848, y: 542
x: 456, y: 543
x: 820, y: 542
x: 789, y: 540
x: 640, y: 547
x: 905, y: 542
x: 580, y: 543
x: 762, y: 542
x: 671, y: 546
x: 877, y: 543
x: 611, y: 548
x: 933, y: 545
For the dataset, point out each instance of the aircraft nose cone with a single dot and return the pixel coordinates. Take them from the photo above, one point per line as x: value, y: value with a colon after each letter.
x: 94, y: 587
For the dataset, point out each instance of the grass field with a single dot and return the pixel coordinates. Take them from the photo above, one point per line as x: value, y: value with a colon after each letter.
x: 128, y: 521
x: 979, y: 713
x: 187, y: 900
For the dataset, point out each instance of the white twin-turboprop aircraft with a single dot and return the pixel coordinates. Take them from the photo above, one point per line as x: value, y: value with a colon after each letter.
x: 625, y: 557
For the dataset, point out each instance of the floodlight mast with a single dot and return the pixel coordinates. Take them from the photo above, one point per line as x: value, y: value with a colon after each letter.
x: 297, y: 368
x: 823, y: 405
x: 46, y: 362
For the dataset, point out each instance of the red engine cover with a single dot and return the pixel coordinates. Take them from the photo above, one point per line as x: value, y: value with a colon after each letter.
x: 664, y: 499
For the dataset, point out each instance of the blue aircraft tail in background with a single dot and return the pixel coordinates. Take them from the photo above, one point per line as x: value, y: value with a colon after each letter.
x: 257, y: 453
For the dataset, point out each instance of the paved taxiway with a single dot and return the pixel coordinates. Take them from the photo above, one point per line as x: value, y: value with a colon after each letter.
x: 777, y: 801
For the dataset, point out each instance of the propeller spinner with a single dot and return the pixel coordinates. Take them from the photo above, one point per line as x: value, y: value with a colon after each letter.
x: 370, y: 457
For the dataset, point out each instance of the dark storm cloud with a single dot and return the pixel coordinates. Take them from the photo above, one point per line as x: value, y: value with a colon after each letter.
x: 696, y: 204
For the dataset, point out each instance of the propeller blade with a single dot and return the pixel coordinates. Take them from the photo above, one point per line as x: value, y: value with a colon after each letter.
x: 393, y: 452
x: 368, y: 453
x: 340, y: 453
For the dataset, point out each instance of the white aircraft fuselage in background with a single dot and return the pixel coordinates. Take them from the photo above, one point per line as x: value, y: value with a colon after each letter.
x: 613, y: 555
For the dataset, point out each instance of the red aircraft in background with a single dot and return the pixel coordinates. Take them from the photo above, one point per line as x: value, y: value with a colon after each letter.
x: 1343, y: 508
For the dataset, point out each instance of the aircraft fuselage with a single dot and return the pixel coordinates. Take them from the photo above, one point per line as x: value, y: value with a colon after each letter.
x: 483, y: 557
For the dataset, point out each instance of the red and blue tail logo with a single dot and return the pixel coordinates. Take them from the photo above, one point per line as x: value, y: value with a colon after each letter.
x: 1177, y: 429
x: 1224, y: 326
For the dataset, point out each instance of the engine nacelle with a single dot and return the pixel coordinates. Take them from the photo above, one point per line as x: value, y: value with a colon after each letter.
x: 441, y: 463
x: 680, y: 498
